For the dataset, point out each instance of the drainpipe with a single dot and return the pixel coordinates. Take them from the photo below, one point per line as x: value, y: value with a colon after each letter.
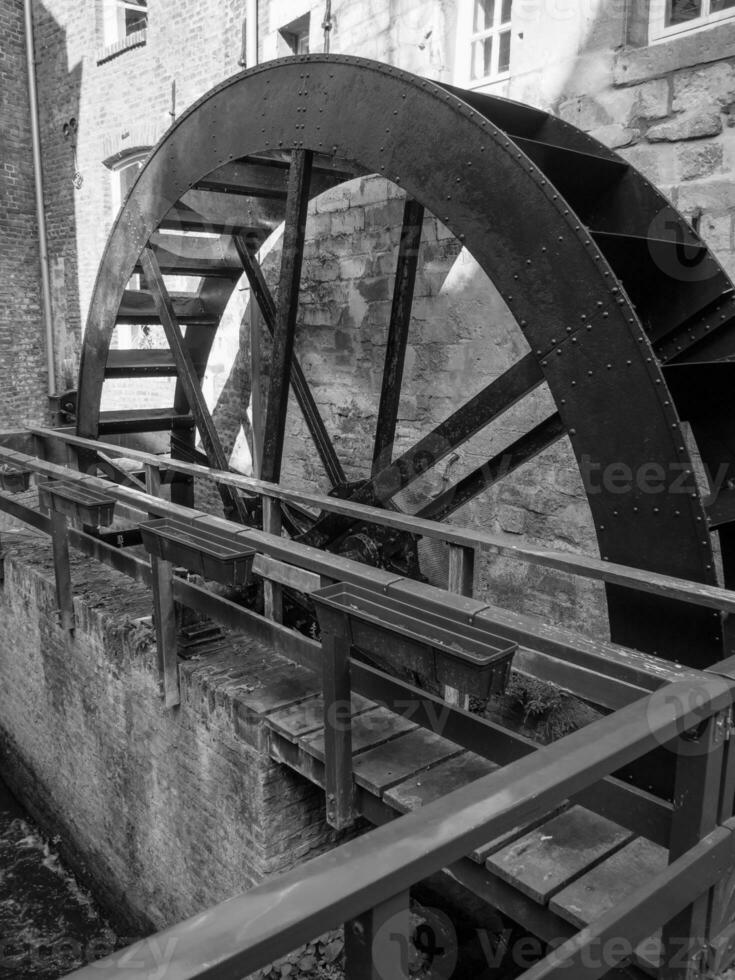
x: 40, y: 212
x: 252, y: 36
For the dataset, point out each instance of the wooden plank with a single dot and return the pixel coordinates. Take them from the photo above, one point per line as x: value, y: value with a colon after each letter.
x: 137, y: 363
x: 283, y: 685
x: 656, y: 901
x: 398, y: 327
x: 420, y: 789
x: 141, y: 420
x: 189, y: 381
x: 314, y: 422
x: 287, y: 307
x: 285, y: 574
x: 482, y: 853
x: 550, y: 857
x: 223, y: 214
x: 610, y: 883
x: 369, y: 729
x: 139, y: 306
x: 391, y: 763
x: 307, y: 717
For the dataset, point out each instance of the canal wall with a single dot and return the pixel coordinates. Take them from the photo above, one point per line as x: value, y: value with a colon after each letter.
x: 161, y: 813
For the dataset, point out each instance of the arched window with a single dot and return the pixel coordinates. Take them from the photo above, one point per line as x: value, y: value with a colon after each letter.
x: 123, y: 174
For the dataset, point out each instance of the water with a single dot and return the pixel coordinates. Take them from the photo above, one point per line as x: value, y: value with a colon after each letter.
x: 49, y: 926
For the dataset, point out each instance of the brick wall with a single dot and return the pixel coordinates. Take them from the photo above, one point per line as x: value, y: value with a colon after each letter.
x: 22, y: 359
x: 163, y: 813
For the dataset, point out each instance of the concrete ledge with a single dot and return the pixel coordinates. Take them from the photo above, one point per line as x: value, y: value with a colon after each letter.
x: 713, y: 43
x: 163, y: 813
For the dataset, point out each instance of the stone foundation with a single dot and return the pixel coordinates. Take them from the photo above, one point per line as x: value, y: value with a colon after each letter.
x: 161, y: 813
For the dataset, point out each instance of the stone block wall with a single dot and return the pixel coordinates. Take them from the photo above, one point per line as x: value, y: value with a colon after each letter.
x: 22, y: 354
x: 162, y: 813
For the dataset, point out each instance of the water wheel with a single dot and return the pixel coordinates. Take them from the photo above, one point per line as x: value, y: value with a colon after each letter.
x: 628, y: 317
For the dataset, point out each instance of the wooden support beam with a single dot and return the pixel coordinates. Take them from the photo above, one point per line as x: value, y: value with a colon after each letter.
x: 460, y: 581
x: 166, y: 634
x: 189, y: 381
x: 696, y: 809
x: 337, y: 731
x: 400, y: 321
x: 272, y: 593
x: 62, y: 569
x: 287, y: 307
x: 377, y: 942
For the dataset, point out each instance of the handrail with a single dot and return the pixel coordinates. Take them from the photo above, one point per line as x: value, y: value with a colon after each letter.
x: 597, y: 569
x: 248, y: 932
x: 625, y: 669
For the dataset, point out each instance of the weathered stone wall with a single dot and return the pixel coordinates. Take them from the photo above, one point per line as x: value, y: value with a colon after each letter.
x: 22, y: 361
x: 164, y: 813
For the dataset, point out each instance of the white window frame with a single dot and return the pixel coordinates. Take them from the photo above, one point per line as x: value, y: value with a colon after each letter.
x: 116, y: 173
x: 113, y: 20
x: 467, y: 36
x: 658, y: 31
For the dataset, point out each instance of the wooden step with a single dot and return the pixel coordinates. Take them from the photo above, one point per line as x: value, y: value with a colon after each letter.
x: 224, y: 213
x: 138, y: 307
x: 252, y: 179
x: 138, y: 363
x: 193, y: 255
x: 143, y: 420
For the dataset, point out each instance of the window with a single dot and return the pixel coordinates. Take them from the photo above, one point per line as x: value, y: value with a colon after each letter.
x: 123, y: 177
x: 490, y: 40
x: 121, y: 19
x: 672, y: 17
x: 296, y: 35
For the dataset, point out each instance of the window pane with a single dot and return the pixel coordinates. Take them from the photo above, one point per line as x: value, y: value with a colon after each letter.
x: 507, y: 9
x: 681, y: 11
x: 504, y: 52
x: 718, y: 5
x: 482, y: 58
x: 136, y: 16
x: 484, y: 15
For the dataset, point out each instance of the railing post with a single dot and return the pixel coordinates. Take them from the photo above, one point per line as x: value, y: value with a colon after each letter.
x: 272, y: 594
x: 696, y: 812
x: 164, y: 610
x: 62, y: 569
x: 460, y: 581
x: 377, y: 942
x: 337, y: 730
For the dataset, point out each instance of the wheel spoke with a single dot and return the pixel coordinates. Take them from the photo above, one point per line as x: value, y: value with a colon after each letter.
x: 523, y: 450
x: 400, y: 321
x: 488, y: 404
x: 302, y: 392
x: 286, y: 309
x: 188, y: 379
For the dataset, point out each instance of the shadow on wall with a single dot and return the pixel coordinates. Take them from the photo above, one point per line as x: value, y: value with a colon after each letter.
x: 59, y: 87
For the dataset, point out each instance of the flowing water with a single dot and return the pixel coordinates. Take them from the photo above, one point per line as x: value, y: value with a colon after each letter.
x: 49, y: 926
